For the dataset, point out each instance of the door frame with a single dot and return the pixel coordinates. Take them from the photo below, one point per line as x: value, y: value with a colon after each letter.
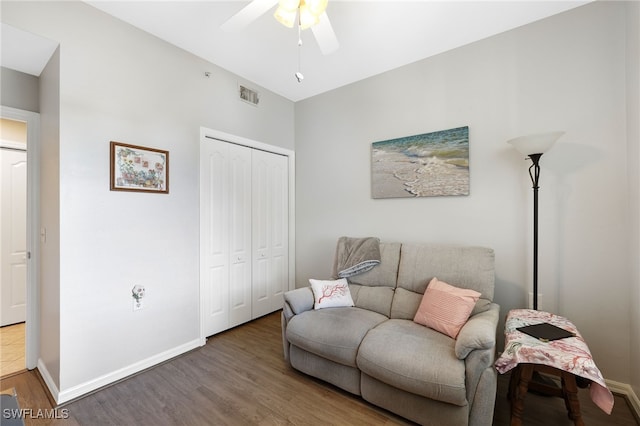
x: 32, y: 324
x: 205, y: 134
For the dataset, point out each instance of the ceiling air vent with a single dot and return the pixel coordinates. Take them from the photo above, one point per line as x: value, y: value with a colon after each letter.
x: 249, y: 96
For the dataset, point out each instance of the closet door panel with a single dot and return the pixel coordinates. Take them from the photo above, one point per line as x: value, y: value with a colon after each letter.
x: 239, y: 205
x: 280, y: 230
x: 270, y: 181
x: 261, y: 234
x: 217, y: 298
x: 214, y: 243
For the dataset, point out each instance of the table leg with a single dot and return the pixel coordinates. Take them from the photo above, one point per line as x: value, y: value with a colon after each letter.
x: 570, y: 395
x: 519, y: 390
x: 513, y: 383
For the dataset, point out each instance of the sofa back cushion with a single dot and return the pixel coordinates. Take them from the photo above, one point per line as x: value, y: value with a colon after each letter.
x: 376, y: 299
x: 405, y: 304
x: 373, y: 290
x: 461, y: 266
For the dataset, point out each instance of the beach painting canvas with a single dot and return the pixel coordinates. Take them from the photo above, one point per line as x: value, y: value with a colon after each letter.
x: 426, y: 165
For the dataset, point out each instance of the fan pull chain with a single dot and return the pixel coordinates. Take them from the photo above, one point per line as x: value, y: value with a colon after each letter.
x: 298, y: 74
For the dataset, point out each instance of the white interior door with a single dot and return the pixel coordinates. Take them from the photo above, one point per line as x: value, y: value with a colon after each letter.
x: 225, y: 227
x: 13, y: 218
x: 270, y: 231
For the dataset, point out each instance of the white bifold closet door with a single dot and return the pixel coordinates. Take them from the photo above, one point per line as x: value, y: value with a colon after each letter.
x: 270, y: 231
x: 244, y: 233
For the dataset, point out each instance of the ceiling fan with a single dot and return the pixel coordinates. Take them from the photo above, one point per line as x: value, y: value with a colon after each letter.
x: 310, y: 13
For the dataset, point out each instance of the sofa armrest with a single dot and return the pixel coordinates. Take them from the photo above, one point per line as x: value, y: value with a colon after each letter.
x: 299, y: 300
x: 479, y: 332
x: 295, y: 302
x: 476, y: 345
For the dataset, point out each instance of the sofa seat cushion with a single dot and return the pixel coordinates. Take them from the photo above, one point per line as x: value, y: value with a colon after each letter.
x: 333, y: 333
x: 414, y: 358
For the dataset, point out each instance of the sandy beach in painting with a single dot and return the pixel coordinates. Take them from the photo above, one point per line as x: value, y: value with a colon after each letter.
x: 433, y: 164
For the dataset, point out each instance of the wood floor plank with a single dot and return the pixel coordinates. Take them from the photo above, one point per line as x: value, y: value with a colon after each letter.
x: 32, y: 396
x: 241, y: 378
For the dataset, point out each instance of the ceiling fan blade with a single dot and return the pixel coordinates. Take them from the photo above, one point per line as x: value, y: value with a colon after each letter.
x: 248, y: 14
x: 326, y: 38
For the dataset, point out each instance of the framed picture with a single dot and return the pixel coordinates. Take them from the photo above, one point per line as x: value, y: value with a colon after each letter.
x: 136, y: 168
x: 427, y: 165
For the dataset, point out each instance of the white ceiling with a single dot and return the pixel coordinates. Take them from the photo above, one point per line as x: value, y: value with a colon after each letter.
x: 23, y: 51
x: 374, y: 36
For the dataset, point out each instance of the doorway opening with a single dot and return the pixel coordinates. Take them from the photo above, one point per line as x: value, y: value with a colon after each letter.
x: 13, y: 244
x: 19, y: 144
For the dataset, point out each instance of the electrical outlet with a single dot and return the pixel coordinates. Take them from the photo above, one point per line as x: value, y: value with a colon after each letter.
x: 137, y: 304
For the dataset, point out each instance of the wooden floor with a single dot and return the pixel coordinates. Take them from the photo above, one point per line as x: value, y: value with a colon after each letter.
x: 11, y: 349
x: 240, y: 378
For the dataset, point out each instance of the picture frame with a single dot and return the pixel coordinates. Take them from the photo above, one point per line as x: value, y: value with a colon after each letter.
x: 138, y: 168
x: 425, y: 165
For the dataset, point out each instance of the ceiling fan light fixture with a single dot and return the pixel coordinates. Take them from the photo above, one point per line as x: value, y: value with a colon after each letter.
x: 307, y: 19
x: 316, y: 7
x: 309, y: 10
x: 285, y: 16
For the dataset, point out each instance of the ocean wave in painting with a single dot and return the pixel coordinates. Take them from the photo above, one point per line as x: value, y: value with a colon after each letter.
x: 431, y: 164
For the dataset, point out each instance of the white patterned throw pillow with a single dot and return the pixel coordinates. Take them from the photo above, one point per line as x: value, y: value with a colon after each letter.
x: 331, y: 294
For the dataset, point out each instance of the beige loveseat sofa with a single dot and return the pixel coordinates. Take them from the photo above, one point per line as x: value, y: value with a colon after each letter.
x: 376, y: 350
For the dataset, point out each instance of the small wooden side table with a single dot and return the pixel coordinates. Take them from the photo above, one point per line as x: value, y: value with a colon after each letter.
x: 568, y: 358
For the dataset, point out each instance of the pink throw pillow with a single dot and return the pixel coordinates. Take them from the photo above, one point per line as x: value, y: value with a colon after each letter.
x: 445, y: 308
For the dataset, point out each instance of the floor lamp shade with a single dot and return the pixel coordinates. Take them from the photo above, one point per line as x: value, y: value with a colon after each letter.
x: 534, y: 146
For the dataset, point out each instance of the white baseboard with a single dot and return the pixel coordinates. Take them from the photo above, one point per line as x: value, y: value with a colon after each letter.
x: 48, y: 380
x: 627, y: 391
x: 107, y: 379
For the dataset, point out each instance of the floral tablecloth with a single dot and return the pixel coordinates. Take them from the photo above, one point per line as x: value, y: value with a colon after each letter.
x: 571, y: 354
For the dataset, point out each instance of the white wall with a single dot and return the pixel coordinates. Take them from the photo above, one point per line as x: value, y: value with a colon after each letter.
x: 633, y: 137
x: 118, y: 83
x: 19, y: 90
x: 563, y: 73
x: 49, y: 342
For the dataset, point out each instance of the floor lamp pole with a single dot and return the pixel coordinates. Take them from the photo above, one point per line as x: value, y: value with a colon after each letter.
x: 539, y: 144
x: 534, y: 173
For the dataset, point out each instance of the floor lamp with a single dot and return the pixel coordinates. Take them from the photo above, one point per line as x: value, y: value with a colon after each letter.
x: 533, y: 146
